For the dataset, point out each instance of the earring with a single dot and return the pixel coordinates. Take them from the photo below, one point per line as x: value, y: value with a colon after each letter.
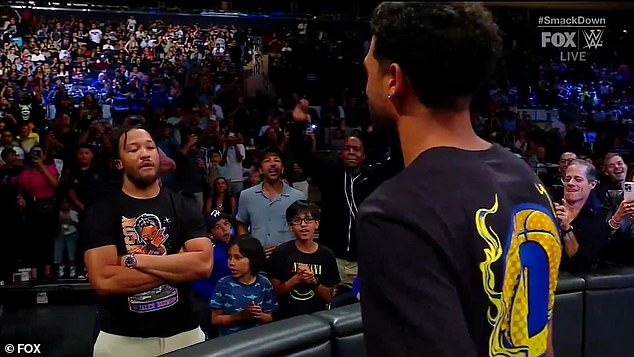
x: 389, y: 96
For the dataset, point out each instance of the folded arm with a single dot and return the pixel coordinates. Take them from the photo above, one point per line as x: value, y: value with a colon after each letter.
x: 108, y: 277
x: 194, y: 263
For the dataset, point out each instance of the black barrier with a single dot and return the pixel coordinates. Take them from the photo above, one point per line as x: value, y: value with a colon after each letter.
x: 347, y: 330
x: 593, y: 317
x: 568, y: 316
x: 609, y: 313
x: 297, y: 336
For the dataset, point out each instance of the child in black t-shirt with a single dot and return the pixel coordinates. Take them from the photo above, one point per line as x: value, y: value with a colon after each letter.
x: 303, y: 273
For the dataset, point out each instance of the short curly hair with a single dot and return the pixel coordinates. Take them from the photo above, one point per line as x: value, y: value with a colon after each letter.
x: 446, y: 50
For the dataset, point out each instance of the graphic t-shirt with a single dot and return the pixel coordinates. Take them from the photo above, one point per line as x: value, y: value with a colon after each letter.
x: 156, y: 226
x: 232, y: 297
x: 302, y: 299
x: 459, y: 256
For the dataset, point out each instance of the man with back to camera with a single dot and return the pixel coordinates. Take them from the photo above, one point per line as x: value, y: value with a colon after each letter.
x: 143, y: 248
x: 456, y: 250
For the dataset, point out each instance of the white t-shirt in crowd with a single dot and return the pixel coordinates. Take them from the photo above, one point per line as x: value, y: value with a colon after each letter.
x: 95, y: 35
x: 69, y: 228
x: 217, y: 111
x: 235, y: 167
x: 63, y: 54
x: 38, y: 58
x: 131, y: 25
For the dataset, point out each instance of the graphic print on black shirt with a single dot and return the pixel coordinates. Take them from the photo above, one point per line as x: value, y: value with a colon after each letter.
x: 302, y: 299
x: 145, y: 234
x: 459, y: 257
x: 523, y: 299
x: 158, y: 226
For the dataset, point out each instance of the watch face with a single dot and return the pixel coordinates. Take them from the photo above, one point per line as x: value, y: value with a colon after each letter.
x: 130, y: 261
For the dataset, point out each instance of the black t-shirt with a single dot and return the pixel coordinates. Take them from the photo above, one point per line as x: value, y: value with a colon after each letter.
x: 302, y: 299
x: 121, y: 220
x: 458, y: 256
x: 9, y: 189
x: 90, y: 185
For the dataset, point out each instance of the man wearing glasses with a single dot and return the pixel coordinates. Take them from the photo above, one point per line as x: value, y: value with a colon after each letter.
x: 557, y: 184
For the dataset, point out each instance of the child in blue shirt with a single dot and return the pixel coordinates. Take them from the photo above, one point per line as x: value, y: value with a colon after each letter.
x: 245, y: 298
x: 220, y: 228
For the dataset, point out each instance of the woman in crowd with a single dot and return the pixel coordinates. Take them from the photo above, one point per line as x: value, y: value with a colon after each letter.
x: 38, y: 182
x: 621, y: 221
x: 220, y: 199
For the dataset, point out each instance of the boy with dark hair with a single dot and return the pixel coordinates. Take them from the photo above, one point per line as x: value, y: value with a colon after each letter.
x: 303, y: 273
x: 245, y: 298
x: 220, y: 228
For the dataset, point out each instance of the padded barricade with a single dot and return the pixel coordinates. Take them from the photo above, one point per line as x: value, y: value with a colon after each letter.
x: 297, y: 336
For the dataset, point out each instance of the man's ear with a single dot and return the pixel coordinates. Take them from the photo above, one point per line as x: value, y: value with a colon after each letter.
x: 593, y: 184
x: 118, y: 164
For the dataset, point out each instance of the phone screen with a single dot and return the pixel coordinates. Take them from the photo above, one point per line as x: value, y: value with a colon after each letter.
x: 628, y: 191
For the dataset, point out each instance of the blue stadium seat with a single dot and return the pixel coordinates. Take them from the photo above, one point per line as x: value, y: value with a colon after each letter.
x: 121, y: 103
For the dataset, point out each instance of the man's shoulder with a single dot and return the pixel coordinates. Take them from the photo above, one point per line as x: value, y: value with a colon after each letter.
x: 263, y: 280
x: 224, y: 281
x: 325, y: 251
x: 108, y: 203
x: 391, y: 195
x: 285, y: 247
x: 251, y: 191
x: 178, y: 198
x: 293, y: 193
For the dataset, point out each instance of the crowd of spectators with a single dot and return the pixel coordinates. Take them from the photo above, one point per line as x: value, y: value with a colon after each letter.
x: 70, y: 86
x: 228, y: 140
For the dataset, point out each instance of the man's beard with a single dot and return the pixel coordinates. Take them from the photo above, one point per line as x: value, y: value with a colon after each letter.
x: 142, y: 182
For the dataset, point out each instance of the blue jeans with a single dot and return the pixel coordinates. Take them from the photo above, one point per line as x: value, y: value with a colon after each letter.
x: 68, y: 243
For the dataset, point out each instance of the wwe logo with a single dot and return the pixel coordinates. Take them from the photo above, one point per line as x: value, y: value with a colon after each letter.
x: 593, y: 38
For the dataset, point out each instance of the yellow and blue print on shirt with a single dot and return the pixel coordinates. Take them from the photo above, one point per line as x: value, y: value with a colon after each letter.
x: 530, y: 256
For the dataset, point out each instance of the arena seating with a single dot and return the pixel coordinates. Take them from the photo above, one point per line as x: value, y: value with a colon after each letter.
x: 593, y: 318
